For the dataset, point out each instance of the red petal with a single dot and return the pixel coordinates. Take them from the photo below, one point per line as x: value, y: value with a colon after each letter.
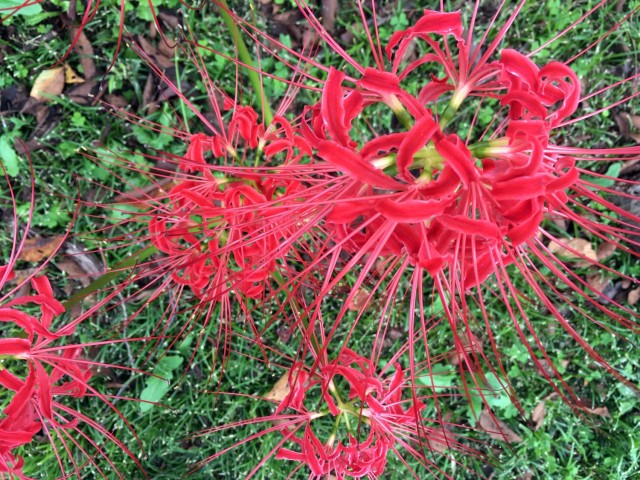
x: 468, y: 226
x: 44, y: 391
x: 423, y: 130
x: 410, y: 211
x: 14, y: 346
x: 518, y: 68
x: 383, y: 83
x: 352, y: 164
x: 571, y: 90
x: 383, y: 143
x: 332, y: 107
x: 458, y: 156
x: 522, y: 188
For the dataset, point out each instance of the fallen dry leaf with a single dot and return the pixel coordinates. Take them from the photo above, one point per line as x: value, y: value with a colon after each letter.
x: 537, y: 416
x: 598, y: 281
x: 22, y: 278
x: 600, y: 411
x: 48, y: 83
x: 391, y: 335
x: 497, y: 429
x: 38, y: 248
x: 147, y: 50
x: 629, y: 125
x: 441, y: 441
x: 85, y: 51
x: 605, y: 250
x: 86, y: 93
x: 73, y: 271
x: 141, y: 197
x: 279, y: 390
x: 525, y: 476
x: 470, y: 345
x: 70, y: 76
x: 564, y: 247
x: 79, y: 265
x: 634, y: 296
x: 329, y: 11
x: 359, y: 300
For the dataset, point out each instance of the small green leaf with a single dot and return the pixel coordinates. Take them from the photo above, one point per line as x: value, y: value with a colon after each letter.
x: 10, y: 5
x: 444, y: 377
x: 8, y: 155
x: 157, y: 388
x: 613, y: 171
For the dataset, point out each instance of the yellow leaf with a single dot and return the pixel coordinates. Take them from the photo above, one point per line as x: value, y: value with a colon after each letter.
x: 70, y: 76
x: 279, y: 390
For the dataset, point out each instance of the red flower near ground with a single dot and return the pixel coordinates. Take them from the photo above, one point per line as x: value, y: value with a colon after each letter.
x: 347, y: 417
x: 54, y: 372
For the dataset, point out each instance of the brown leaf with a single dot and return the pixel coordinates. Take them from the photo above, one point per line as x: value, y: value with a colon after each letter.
x: 48, y: 83
x: 598, y: 281
x: 140, y: 197
x: 22, y: 277
x: 634, y: 296
x: 359, y: 300
x: 147, y: 49
x: 116, y: 101
x: 147, y: 95
x: 171, y: 20
x: 87, y: 261
x: 38, y: 248
x: 629, y: 125
x: 537, y: 416
x: 85, y: 51
x: 605, y: 250
x: 440, y: 440
x: 544, y: 367
x: 391, y: 335
x: 469, y: 347
x: 73, y: 271
x: 600, y: 411
x: 279, y: 390
x: 166, y: 49
x: 13, y: 98
x: 86, y: 93
x: 497, y: 429
x: 329, y: 11
x: 564, y: 246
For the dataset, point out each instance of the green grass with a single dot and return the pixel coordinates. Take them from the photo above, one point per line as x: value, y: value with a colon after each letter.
x: 567, y: 446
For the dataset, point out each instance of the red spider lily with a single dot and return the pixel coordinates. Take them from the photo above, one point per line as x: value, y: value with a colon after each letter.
x: 373, y: 412
x: 430, y: 201
x: 235, y: 216
x: 37, y: 401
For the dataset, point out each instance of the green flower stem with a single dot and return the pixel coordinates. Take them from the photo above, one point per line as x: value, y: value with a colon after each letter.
x: 456, y: 100
x: 491, y: 148
x: 246, y: 58
x: 400, y: 112
x: 113, y: 273
x: 334, y: 431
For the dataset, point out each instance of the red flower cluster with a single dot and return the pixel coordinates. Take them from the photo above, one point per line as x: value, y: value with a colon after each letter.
x: 386, y: 415
x: 225, y: 234
x: 430, y: 195
x: 52, y: 373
